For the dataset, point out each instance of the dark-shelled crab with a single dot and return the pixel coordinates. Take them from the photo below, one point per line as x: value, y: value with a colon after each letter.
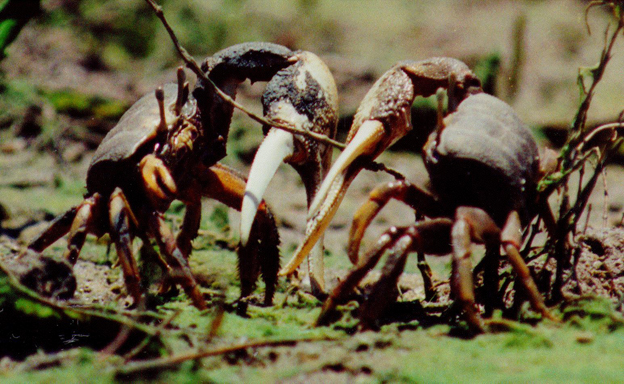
x: 483, y: 164
x: 167, y: 148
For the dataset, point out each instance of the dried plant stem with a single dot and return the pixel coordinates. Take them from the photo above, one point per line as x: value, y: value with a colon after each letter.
x: 596, y: 143
x: 165, y: 362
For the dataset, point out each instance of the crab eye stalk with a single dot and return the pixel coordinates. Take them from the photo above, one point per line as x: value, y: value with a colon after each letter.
x: 183, y: 91
x: 160, y: 98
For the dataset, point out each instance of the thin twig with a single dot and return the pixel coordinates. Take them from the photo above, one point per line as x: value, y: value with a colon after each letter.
x: 606, y: 198
x: 170, y: 361
x: 380, y: 167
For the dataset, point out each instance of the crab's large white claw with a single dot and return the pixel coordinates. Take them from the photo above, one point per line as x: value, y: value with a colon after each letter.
x: 277, y: 146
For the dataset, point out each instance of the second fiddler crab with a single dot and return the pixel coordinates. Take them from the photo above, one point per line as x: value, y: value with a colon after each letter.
x: 483, y: 165
x: 167, y: 146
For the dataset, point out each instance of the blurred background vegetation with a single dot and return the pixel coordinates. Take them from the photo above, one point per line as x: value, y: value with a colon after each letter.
x: 78, y: 64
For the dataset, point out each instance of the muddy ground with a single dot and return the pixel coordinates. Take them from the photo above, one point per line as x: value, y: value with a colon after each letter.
x: 78, y: 65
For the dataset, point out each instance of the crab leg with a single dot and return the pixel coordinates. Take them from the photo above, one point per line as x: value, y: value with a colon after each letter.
x: 357, y: 273
x: 261, y: 253
x: 385, y: 290
x: 412, y: 195
x: 471, y: 224
x: 120, y: 217
x: 511, y: 242
x: 303, y: 96
x: 421, y: 237
x: 190, y: 227
x: 80, y: 227
x: 57, y: 229
x: 175, y: 258
x: 475, y: 225
x: 382, y: 119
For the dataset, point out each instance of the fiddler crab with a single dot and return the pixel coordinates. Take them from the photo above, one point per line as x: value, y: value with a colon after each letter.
x: 167, y: 146
x: 483, y: 165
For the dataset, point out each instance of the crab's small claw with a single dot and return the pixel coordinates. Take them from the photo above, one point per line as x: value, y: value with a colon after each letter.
x: 302, y: 96
x: 157, y: 181
x: 383, y: 117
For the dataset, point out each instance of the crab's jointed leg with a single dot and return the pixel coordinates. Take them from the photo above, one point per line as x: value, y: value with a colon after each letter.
x: 190, y: 227
x: 181, y: 271
x: 121, y: 223
x: 416, y: 197
x: 473, y: 225
x: 81, y: 226
x: 399, y: 241
x: 260, y: 254
x: 57, y: 229
x: 511, y: 240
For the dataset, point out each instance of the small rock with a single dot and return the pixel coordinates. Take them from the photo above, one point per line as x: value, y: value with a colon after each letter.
x: 585, y: 337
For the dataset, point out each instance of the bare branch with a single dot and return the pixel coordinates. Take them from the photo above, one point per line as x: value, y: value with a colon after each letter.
x: 170, y: 361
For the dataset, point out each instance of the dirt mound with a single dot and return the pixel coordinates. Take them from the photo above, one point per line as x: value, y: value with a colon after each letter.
x: 599, y: 270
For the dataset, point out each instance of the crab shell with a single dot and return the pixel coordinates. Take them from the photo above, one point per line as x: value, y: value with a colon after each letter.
x: 133, y: 137
x: 484, y: 157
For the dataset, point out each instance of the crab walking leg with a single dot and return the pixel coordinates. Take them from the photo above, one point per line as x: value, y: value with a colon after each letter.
x: 385, y: 290
x: 182, y: 271
x: 57, y: 229
x: 412, y: 195
x: 190, y: 227
x: 357, y: 273
x: 120, y: 218
x: 261, y: 253
x: 511, y: 237
x: 471, y: 225
x: 80, y: 227
x: 431, y: 237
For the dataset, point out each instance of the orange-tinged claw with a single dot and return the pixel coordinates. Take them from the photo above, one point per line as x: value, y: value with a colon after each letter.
x: 361, y: 220
x: 157, y: 180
